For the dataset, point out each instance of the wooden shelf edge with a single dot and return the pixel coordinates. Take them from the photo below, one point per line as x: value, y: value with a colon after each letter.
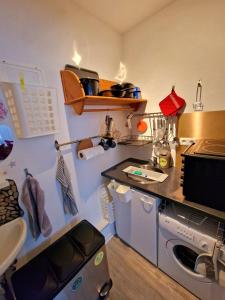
x: 75, y: 101
x: 100, y: 100
x: 108, y: 109
x: 126, y: 104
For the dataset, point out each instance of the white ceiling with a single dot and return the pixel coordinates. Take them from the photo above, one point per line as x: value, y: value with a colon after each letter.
x: 122, y: 15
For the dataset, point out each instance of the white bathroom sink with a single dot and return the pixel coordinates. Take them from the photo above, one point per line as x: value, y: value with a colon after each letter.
x: 12, y: 238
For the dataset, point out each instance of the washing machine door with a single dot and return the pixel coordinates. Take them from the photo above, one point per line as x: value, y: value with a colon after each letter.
x: 184, y: 256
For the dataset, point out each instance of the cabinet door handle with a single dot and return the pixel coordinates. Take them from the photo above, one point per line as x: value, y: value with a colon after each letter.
x: 147, y: 206
x: 146, y: 201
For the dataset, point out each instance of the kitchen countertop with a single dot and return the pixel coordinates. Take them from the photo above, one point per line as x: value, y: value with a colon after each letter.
x: 168, y: 190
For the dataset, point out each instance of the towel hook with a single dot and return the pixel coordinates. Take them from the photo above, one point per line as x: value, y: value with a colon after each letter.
x: 57, y: 145
x: 27, y: 172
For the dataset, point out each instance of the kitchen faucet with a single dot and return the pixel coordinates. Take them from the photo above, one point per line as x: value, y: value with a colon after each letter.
x: 153, y: 161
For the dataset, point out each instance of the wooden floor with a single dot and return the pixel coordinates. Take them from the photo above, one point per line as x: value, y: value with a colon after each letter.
x: 134, y: 278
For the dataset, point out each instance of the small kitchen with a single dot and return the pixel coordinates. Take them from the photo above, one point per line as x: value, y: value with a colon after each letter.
x: 112, y: 150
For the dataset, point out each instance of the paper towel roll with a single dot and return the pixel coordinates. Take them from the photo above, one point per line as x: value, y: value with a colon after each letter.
x: 89, y: 153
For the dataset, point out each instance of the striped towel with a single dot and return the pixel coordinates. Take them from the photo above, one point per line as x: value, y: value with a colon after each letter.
x: 63, y: 177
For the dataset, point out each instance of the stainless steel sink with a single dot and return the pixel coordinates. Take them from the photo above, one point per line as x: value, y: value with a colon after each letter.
x: 145, y: 181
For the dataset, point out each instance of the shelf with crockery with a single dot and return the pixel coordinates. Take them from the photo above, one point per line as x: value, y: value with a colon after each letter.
x: 75, y: 96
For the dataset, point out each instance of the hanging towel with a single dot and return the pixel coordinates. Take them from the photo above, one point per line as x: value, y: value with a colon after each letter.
x: 221, y: 267
x: 33, y: 199
x: 63, y: 177
x: 207, y: 264
x: 204, y: 266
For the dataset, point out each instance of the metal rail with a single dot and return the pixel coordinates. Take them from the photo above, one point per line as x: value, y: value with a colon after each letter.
x: 57, y: 145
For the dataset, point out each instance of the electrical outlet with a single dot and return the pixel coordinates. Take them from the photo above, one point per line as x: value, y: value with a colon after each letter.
x: 186, y: 141
x: 198, y: 106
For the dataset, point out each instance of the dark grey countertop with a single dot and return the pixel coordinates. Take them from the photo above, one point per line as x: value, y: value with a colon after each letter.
x: 168, y: 190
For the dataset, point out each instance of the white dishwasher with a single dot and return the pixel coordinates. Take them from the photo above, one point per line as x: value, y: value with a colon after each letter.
x: 136, y: 219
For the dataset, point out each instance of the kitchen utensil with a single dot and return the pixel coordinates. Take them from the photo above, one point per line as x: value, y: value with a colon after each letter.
x: 198, y: 105
x: 104, y: 144
x: 88, y: 78
x: 111, y: 143
x: 128, y: 122
x: 172, y: 104
x: 150, y: 126
x: 131, y: 91
x: 137, y: 93
x: 127, y: 85
x: 90, y: 85
x: 159, y: 132
x: 166, y: 133
x: 117, y: 90
x: 105, y: 93
x: 142, y: 126
x: 154, y: 128
x: 109, y: 126
x: 158, y: 123
x: 128, y: 88
x: 157, y: 147
x: 165, y: 155
x: 172, y: 130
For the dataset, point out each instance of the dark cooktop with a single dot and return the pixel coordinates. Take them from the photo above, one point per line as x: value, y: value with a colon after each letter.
x: 210, y: 147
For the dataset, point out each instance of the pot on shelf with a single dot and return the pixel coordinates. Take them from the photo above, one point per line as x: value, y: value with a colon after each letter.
x: 133, y: 93
x: 117, y: 90
x: 90, y: 86
x: 105, y: 93
x: 88, y: 78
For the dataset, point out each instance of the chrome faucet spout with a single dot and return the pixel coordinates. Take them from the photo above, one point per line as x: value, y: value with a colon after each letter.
x: 153, y: 161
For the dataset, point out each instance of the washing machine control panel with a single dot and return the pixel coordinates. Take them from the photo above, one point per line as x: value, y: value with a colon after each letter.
x: 186, y: 233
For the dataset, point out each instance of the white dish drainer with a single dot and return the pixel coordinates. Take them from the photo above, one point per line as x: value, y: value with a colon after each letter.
x: 33, y: 109
x: 32, y: 105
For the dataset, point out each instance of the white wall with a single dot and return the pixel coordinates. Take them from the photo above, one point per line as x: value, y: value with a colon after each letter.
x: 43, y: 33
x: 180, y: 45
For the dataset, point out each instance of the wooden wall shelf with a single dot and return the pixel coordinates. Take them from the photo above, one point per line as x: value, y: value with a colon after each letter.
x: 75, y: 96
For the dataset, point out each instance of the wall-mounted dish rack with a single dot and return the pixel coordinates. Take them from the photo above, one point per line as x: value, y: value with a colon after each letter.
x: 135, y: 140
x: 75, y: 96
x: 160, y: 128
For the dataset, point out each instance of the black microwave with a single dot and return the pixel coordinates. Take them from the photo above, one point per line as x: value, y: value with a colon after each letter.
x: 203, y: 173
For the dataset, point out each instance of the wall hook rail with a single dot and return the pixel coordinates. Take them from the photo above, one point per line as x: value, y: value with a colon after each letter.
x: 57, y: 145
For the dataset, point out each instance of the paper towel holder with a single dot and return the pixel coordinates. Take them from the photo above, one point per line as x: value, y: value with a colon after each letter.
x: 84, y: 144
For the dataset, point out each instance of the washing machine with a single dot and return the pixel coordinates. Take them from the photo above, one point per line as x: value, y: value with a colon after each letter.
x: 183, y: 236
